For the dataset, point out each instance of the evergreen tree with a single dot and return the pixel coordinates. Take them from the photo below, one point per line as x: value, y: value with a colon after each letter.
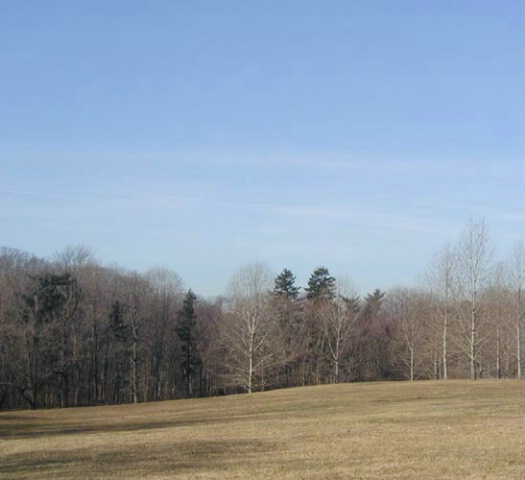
x: 285, y: 285
x: 187, y: 332
x: 289, y: 320
x: 373, y: 303
x: 352, y: 304
x: 374, y: 344
x: 119, y: 341
x: 49, y: 296
x: 50, y: 310
x: 321, y: 284
x: 119, y: 328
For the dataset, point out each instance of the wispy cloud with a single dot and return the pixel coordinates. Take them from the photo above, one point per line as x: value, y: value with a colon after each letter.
x: 341, y: 217
x: 372, y: 160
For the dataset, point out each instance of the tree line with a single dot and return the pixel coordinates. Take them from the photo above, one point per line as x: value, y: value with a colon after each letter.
x: 74, y: 332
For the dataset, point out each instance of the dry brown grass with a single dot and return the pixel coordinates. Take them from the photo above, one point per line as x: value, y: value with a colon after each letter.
x: 421, y: 430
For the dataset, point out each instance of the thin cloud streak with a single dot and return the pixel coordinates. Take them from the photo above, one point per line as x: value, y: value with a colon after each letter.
x: 322, y: 160
x: 346, y: 217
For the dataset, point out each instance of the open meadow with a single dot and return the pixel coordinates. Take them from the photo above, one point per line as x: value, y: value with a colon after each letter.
x: 418, y: 430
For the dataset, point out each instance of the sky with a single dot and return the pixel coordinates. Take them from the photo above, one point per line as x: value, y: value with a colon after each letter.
x: 202, y: 136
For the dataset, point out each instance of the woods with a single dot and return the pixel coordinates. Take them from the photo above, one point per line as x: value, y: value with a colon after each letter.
x: 74, y: 332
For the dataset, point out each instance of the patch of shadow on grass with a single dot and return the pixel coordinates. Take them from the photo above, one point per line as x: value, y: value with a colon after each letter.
x: 181, y: 458
x: 26, y: 430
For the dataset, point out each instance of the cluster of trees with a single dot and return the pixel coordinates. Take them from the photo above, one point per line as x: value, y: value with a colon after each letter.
x: 73, y: 332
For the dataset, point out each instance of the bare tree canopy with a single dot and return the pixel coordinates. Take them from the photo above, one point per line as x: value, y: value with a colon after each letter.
x: 73, y: 332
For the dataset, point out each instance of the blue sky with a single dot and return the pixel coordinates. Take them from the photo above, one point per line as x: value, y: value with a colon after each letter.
x: 200, y: 136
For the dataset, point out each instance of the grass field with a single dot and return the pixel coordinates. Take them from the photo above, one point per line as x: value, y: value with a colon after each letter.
x: 421, y: 430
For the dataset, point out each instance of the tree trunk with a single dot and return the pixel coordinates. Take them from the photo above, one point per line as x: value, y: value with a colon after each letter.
x: 472, y: 352
x: 94, y: 335
x: 498, y: 351
x: 411, y: 363
x: 444, y: 343
x: 519, y: 316
x: 134, y: 370
x: 337, y: 364
x: 250, y: 371
x: 518, y: 349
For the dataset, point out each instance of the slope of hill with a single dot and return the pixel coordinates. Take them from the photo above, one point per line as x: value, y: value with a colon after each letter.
x: 418, y: 430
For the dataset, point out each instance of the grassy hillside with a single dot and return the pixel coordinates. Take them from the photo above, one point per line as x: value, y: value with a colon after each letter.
x: 421, y: 430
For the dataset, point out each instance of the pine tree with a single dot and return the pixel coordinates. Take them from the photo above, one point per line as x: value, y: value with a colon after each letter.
x: 321, y: 284
x: 374, y: 343
x: 373, y: 303
x: 287, y: 311
x: 50, y: 310
x: 120, y: 347
x: 285, y: 285
x: 187, y: 332
x: 119, y: 328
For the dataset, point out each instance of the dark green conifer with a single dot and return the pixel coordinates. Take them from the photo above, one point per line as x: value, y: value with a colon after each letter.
x: 285, y: 285
x: 321, y: 284
x: 187, y: 332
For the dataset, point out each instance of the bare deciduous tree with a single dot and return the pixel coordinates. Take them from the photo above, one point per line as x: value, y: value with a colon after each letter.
x: 475, y: 255
x: 250, y: 325
x: 165, y: 297
x: 338, y: 318
x: 517, y: 280
x: 441, y: 278
x: 409, y: 310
